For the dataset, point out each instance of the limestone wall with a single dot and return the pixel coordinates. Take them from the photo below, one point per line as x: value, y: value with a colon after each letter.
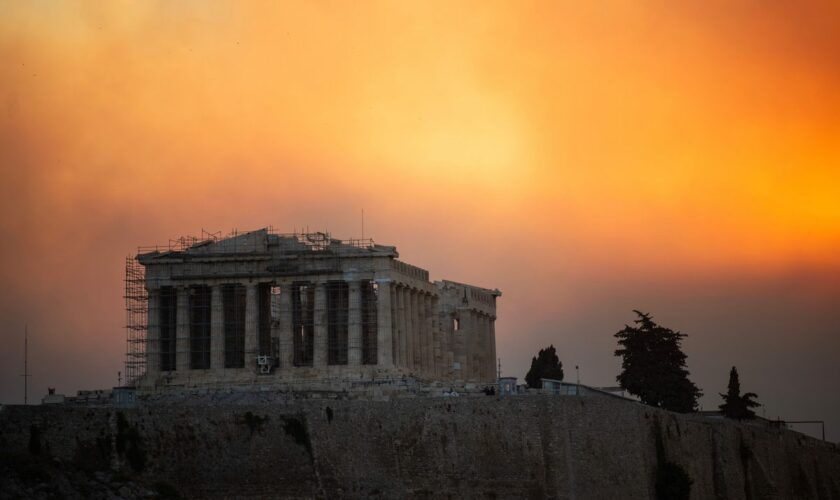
x: 530, y: 446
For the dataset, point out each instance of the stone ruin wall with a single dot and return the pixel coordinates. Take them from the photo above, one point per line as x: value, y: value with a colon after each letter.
x: 532, y: 446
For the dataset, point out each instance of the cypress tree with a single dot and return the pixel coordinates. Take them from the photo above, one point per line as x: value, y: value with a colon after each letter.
x: 545, y: 365
x: 737, y: 405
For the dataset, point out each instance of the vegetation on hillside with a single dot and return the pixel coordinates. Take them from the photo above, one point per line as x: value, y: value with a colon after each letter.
x: 653, y: 366
x: 545, y: 365
x: 737, y: 405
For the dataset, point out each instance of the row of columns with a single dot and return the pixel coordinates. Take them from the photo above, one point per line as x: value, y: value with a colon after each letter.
x: 474, y: 345
x: 485, y: 349
x: 417, y: 343
x: 283, y: 331
x: 423, y: 345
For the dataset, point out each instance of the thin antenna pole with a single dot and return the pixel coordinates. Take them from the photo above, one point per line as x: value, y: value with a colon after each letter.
x: 363, y: 223
x: 25, y: 365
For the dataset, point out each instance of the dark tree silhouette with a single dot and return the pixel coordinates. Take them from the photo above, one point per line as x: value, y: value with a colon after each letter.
x: 735, y: 404
x: 653, y: 366
x: 672, y: 482
x: 545, y: 365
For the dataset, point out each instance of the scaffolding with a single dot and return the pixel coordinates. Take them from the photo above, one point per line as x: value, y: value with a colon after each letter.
x: 316, y: 241
x: 136, y: 320
x: 321, y: 240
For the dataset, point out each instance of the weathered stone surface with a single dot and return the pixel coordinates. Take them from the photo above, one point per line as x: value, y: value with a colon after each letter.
x: 529, y: 446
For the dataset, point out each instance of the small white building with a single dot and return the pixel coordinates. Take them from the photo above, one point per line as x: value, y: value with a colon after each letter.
x: 560, y: 388
x: 507, y: 386
x: 52, y: 398
x: 124, y: 397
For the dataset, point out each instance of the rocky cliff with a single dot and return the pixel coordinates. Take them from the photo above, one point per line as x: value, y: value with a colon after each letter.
x: 530, y: 446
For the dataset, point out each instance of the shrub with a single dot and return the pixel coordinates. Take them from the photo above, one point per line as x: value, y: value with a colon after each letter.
x: 672, y: 482
x: 34, y: 440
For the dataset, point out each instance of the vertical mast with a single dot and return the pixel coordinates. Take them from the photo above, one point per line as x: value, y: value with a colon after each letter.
x: 26, y: 364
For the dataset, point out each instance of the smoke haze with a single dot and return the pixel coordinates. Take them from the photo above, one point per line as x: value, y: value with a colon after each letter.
x: 586, y: 160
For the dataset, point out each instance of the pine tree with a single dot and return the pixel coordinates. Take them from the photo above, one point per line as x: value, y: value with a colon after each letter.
x: 545, y: 365
x: 653, y: 366
x: 736, y: 405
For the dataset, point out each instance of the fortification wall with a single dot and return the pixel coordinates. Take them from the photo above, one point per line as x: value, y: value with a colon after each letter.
x: 530, y: 446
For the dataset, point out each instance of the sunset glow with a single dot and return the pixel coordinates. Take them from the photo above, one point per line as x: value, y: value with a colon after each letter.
x: 585, y: 158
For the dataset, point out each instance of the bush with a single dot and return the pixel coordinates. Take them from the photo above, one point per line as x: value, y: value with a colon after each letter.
x: 254, y: 422
x: 672, y: 482
x: 166, y: 490
x: 295, y: 428
x: 129, y: 443
x: 34, y: 440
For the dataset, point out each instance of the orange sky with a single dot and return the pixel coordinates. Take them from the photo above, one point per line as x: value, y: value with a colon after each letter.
x: 584, y: 158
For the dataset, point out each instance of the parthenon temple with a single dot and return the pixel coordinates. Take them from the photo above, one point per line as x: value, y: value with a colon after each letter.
x: 309, y: 311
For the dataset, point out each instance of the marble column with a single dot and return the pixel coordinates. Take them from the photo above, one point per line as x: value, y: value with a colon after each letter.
x: 478, y: 346
x: 395, y: 346
x: 217, y: 329
x: 319, y: 358
x: 182, y: 330
x: 403, y: 322
x: 153, y: 333
x: 437, y: 347
x: 354, y: 324
x: 491, y: 338
x: 485, y: 362
x: 421, y: 332
x: 251, y: 325
x: 420, y: 318
x: 428, y: 335
x: 462, y: 345
x: 447, y: 339
x: 287, y: 351
x: 412, y: 330
x: 475, y: 346
x: 395, y: 323
x: 384, y: 342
